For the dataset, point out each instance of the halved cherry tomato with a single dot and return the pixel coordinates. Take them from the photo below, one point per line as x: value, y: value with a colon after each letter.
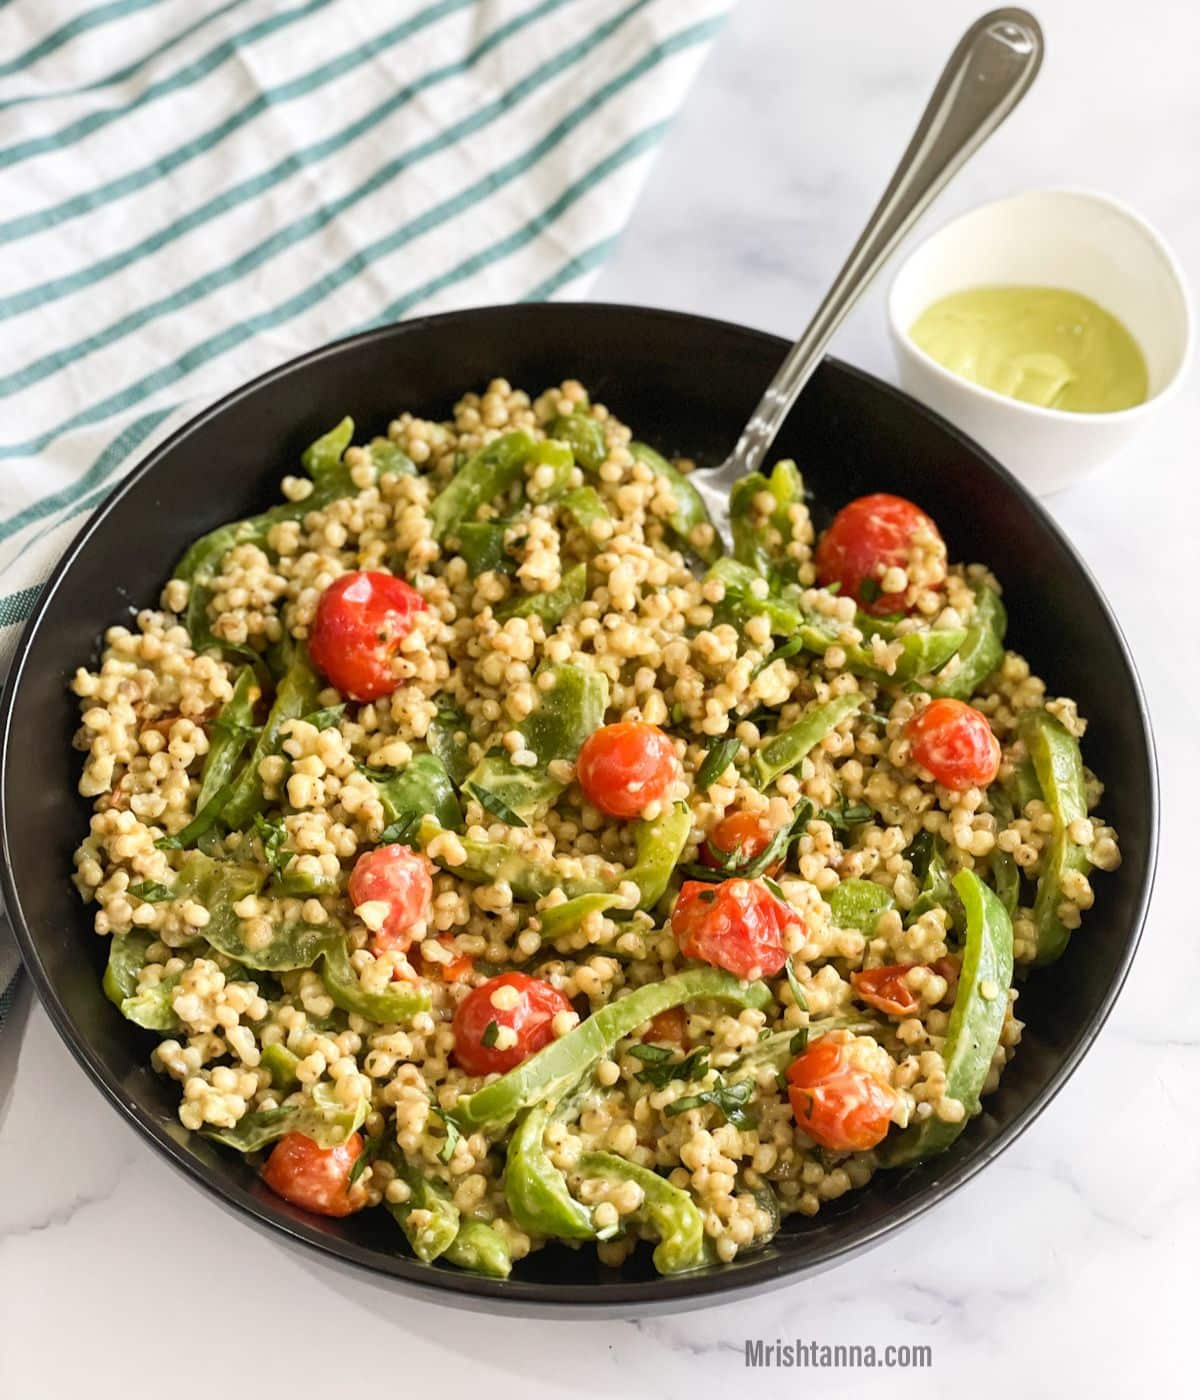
x: 624, y: 767
x: 867, y: 538
x: 955, y: 743
x: 454, y: 970
x: 737, y: 925
x: 736, y: 840
x: 886, y: 989
x: 479, y: 1020
x: 669, y: 1025
x: 362, y: 618
x: 316, y: 1178
x: 400, y: 878
x: 836, y: 1103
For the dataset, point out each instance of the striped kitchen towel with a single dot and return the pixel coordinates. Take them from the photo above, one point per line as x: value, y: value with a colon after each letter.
x: 192, y: 191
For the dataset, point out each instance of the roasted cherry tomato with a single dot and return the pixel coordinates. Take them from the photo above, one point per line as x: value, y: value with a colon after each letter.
x: 511, y: 1003
x: 624, y: 767
x: 361, y: 620
x: 736, y: 840
x: 955, y: 743
x: 737, y: 925
x: 669, y: 1025
x: 454, y: 970
x: 867, y: 538
x: 317, y: 1178
x: 400, y: 878
x: 837, y: 1104
x: 886, y: 988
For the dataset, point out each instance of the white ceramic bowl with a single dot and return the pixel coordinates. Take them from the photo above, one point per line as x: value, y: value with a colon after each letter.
x: 1074, y: 239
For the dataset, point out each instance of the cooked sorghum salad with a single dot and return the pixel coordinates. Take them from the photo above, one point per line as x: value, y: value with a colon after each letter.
x: 486, y: 842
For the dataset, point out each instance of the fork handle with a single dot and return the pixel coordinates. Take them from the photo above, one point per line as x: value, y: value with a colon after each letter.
x: 988, y: 73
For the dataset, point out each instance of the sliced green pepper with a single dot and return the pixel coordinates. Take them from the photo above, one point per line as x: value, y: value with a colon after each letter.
x: 480, y: 1248
x: 585, y: 506
x: 398, y: 1003
x: 782, y: 753
x: 482, y: 543
x: 669, y: 1212
x: 437, y: 1219
x: 565, y: 714
x: 322, y: 1117
x: 976, y: 1021
x: 690, y: 512
x: 981, y: 652
x: 565, y: 918
x: 390, y: 459
x: 763, y: 543
x: 584, y: 435
x: 294, y: 698
x: 658, y: 845
x: 281, y: 1064
x: 534, y: 1187
x: 449, y: 740
x: 549, y: 1072
x: 529, y: 877
x: 558, y: 457
x: 553, y: 606
x: 1058, y: 764
x: 421, y: 789
x: 922, y: 651
x: 858, y: 904
x: 232, y: 730
x: 486, y: 475
x: 330, y: 480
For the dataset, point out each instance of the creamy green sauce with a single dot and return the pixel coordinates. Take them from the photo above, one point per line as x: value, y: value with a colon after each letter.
x: 1042, y: 345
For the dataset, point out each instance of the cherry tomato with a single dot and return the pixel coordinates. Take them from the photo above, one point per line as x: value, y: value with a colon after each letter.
x: 317, y: 1178
x: 454, y: 970
x: 955, y: 743
x: 886, y: 989
x: 400, y: 878
x: 669, y: 1025
x: 361, y: 620
x: 866, y: 538
x: 624, y: 767
x: 478, y: 1021
x: 736, y: 839
x: 737, y: 925
x: 837, y: 1104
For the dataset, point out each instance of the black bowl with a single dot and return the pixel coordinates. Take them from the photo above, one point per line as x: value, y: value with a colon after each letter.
x: 687, y: 384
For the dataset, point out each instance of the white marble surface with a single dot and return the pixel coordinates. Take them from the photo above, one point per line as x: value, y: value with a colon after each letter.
x: 1070, y: 1266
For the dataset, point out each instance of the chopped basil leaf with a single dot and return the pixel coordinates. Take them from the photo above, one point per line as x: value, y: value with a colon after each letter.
x: 491, y: 1034
x: 729, y: 1099
x: 273, y: 834
x: 720, y: 755
x: 491, y: 803
x: 151, y: 893
x: 661, y: 1073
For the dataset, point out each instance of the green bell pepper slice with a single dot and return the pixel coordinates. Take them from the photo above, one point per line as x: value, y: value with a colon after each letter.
x: 398, y: 1003
x: 480, y: 1248
x: 483, y: 477
x: 981, y: 652
x: 535, y: 1189
x: 281, y: 1064
x: 553, y: 606
x: 295, y: 697
x: 549, y: 1073
x: 434, y: 1229
x: 1058, y: 764
x: 232, y: 730
x: 584, y: 435
x: 690, y: 511
x: 421, y: 789
x: 560, y: 460
x: 151, y: 1008
x: 858, y: 904
x: 565, y: 714
x: 322, y: 1117
x: 782, y: 753
x: 449, y: 740
x: 482, y: 543
x: 975, y: 1023
x: 669, y: 1212
x: 762, y: 544
x: 586, y: 507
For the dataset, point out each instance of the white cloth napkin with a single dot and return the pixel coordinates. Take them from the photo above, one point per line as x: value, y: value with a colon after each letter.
x: 192, y: 192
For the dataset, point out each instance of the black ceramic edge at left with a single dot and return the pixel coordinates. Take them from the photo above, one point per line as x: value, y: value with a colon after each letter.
x: 687, y: 383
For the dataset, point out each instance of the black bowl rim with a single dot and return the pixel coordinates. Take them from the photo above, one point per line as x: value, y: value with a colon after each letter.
x: 548, y: 1299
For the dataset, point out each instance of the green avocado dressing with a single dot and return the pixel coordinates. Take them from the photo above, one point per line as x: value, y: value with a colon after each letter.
x: 1043, y: 345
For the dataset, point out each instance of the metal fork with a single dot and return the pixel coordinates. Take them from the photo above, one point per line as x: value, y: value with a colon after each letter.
x: 988, y: 73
